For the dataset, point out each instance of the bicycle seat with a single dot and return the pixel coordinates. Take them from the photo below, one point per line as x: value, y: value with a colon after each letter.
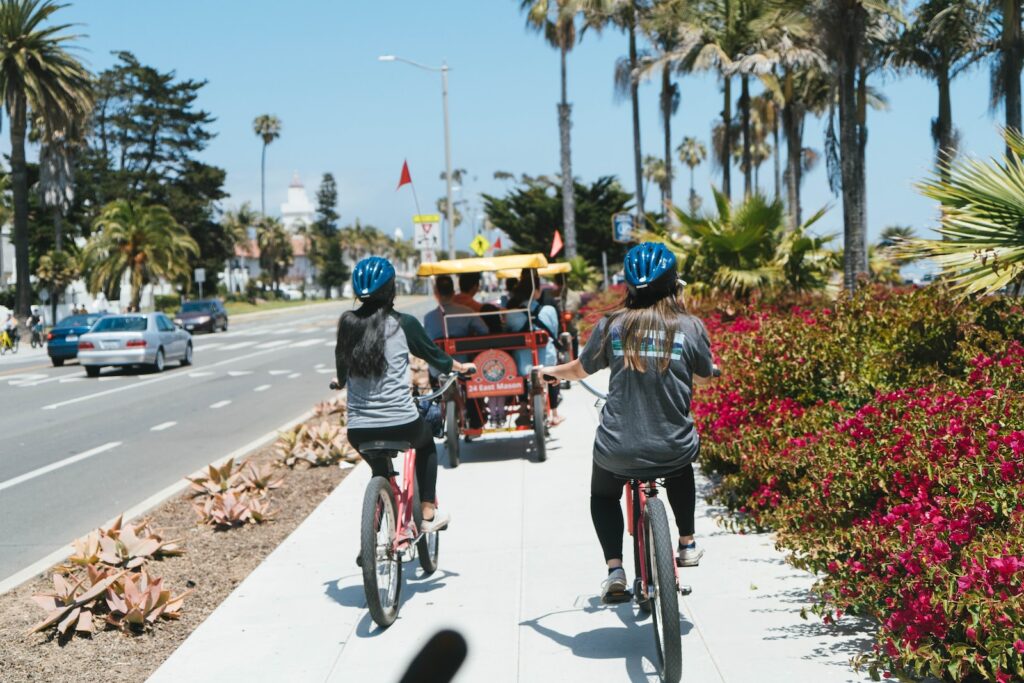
x: 388, y: 449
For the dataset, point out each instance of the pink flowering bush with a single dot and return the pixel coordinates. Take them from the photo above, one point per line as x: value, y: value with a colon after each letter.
x: 883, y: 440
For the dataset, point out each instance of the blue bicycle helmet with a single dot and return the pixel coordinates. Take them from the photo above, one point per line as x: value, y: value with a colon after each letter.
x: 649, y: 263
x: 370, y: 276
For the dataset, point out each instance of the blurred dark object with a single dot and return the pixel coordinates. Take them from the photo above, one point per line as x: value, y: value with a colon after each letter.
x: 439, y: 660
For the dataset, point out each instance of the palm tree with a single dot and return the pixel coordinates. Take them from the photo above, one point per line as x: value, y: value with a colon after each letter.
x: 656, y: 172
x: 945, y: 38
x: 57, y: 269
x: 275, y: 249
x: 1008, y: 62
x: 556, y: 19
x: 57, y: 173
x: 268, y: 128
x: 981, y: 249
x: 238, y: 226
x: 38, y: 77
x: 766, y: 112
x: 692, y: 152
x: 144, y: 242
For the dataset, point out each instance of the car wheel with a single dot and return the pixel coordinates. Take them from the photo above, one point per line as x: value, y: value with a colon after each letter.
x: 57, y: 362
x: 160, y: 362
x: 187, y: 358
x: 225, y: 326
x: 92, y: 370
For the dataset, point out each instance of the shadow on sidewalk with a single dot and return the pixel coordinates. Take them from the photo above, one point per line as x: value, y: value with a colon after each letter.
x: 348, y: 591
x: 633, y: 642
x: 491, y: 449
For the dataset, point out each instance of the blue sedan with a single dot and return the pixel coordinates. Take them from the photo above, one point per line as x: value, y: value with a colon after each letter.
x: 62, y: 341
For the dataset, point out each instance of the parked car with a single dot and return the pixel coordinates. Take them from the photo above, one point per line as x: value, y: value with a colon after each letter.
x: 62, y: 340
x: 208, y: 315
x: 148, y: 339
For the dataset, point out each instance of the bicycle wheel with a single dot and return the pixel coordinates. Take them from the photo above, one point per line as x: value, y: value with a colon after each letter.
x: 540, y: 405
x: 382, y: 567
x: 665, y: 615
x: 428, y: 547
x: 451, y: 425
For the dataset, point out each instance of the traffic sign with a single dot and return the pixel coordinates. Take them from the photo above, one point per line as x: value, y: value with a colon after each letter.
x: 426, y: 231
x: 622, y: 227
x: 200, y: 275
x: 480, y: 245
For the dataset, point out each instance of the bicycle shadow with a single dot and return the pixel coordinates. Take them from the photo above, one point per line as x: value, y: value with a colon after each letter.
x: 516, y: 446
x: 348, y: 591
x: 634, y: 644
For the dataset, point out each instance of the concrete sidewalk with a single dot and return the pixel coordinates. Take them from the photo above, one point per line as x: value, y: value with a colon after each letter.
x: 519, y: 575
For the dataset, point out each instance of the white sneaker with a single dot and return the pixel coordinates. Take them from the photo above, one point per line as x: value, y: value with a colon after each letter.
x: 689, y: 555
x: 438, y: 523
x: 613, y: 589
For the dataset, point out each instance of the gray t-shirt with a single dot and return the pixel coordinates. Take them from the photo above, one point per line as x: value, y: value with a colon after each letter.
x: 386, y: 401
x: 646, y: 429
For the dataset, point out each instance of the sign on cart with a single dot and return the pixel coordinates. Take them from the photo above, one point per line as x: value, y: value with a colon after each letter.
x: 426, y: 231
x: 496, y: 375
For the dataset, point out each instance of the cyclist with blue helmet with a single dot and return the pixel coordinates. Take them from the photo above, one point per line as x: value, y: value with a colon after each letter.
x: 372, y: 359
x: 656, y: 351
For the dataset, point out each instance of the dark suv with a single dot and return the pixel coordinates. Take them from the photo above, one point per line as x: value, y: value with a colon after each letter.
x: 208, y: 315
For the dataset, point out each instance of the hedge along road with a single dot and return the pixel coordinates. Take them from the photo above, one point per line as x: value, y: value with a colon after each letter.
x: 76, y: 452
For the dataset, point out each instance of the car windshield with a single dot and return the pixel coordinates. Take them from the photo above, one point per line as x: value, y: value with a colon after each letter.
x: 196, y: 307
x: 78, y: 321
x: 121, y: 323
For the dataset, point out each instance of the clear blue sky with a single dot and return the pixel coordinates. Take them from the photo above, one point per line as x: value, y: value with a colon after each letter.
x: 314, y: 64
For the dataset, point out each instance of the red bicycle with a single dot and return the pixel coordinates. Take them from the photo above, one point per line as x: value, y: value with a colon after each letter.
x: 391, y: 518
x: 656, y: 587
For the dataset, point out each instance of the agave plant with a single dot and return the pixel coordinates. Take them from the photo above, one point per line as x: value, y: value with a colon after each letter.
x: 259, y: 478
x: 327, y: 445
x: 119, y: 545
x: 136, y: 601
x: 291, y: 446
x: 981, y: 249
x: 337, y: 404
x: 226, y: 510
x: 216, y: 479
x: 72, y: 603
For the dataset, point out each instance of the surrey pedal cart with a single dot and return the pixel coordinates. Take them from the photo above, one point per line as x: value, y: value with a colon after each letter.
x: 503, y: 400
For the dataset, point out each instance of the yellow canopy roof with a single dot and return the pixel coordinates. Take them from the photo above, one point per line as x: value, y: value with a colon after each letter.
x: 482, y: 265
x: 546, y: 271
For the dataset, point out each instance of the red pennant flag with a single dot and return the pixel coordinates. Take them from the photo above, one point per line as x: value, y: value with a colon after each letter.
x: 497, y: 243
x: 406, y: 178
x: 556, y: 244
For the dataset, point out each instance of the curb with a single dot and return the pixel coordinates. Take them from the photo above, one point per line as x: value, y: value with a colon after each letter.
x: 41, y: 565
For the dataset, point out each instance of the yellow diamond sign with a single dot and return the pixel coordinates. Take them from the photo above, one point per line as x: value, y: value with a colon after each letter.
x: 480, y: 245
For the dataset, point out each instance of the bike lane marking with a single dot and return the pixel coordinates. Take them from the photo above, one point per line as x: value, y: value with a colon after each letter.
x: 220, y: 404
x: 57, y: 465
x: 162, y: 426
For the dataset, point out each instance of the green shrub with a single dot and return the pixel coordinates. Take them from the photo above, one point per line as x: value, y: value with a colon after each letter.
x: 167, y: 303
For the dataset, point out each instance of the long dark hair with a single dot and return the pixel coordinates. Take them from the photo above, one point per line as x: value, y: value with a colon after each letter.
x: 648, y: 317
x: 362, y: 333
x: 522, y: 295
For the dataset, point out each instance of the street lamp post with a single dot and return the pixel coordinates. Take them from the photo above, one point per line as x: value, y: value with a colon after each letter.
x: 450, y: 210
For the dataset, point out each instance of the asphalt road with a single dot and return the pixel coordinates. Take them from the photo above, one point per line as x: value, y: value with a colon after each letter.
x: 75, y: 452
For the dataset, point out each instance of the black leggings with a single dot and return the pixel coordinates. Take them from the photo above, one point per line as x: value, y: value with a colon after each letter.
x: 606, y: 511
x: 416, y: 433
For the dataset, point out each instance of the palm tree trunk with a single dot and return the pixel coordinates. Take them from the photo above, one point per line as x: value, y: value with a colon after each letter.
x: 568, y: 190
x: 666, y: 113
x: 776, y: 161
x: 19, y: 189
x: 263, y: 180
x: 727, y: 143
x: 58, y: 229
x: 745, y: 113
x: 635, y: 96
x: 944, y: 127
x: 852, y: 163
x: 1012, y: 62
x: 792, y: 123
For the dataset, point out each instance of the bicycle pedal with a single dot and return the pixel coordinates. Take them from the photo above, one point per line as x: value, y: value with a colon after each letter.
x: 359, y: 560
x: 685, y: 590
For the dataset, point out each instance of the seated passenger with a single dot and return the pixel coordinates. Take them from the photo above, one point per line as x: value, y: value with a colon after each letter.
x: 469, y: 285
x: 510, y: 286
x: 527, y: 295
x: 434, y: 321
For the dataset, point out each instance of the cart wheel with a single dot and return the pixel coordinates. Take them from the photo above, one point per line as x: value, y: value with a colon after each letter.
x: 540, y: 406
x: 451, y: 425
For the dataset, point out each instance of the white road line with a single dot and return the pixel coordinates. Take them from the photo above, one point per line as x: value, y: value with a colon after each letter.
x: 294, y: 375
x: 57, y: 465
x: 239, y: 373
x: 237, y: 345
x: 207, y: 347
x: 279, y: 372
x: 324, y: 371
x: 201, y: 374
x: 262, y: 387
x: 318, y: 365
x: 162, y: 426
x: 308, y: 342
x: 220, y: 404
x: 24, y: 376
x: 64, y: 380
x: 330, y: 343
x: 284, y: 331
x: 272, y: 344
x: 162, y: 378
x: 27, y: 383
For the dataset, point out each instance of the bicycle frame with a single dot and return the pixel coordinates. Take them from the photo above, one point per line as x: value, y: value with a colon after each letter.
x: 637, y: 494
x: 407, y: 533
